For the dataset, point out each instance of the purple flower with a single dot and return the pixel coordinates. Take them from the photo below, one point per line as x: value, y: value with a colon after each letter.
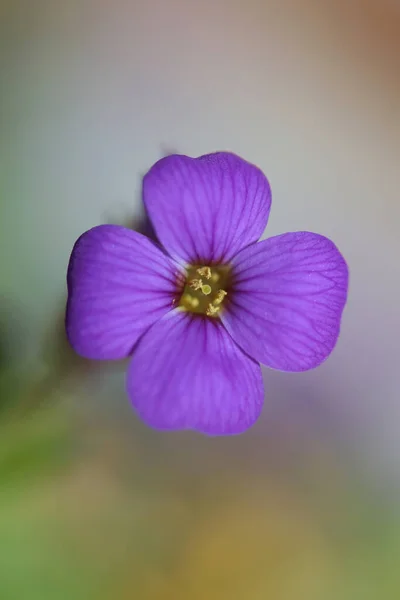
x: 201, y: 312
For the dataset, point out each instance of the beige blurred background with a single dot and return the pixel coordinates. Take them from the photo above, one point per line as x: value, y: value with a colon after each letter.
x: 93, y: 504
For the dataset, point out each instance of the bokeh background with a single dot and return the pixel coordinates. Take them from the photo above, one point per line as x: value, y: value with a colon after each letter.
x: 92, y: 503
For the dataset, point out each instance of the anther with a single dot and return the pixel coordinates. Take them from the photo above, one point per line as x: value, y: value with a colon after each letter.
x: 212, y: 310
x: 220, y: 297
x: 196, y: 284
x: 205, y: 272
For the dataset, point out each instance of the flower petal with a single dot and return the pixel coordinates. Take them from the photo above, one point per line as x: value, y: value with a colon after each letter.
x: 206, y: 209
x: 188, y: 373
x: 119, y: 284
x: 287, y: 301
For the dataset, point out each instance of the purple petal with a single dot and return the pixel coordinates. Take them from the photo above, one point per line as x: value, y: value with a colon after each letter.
x: 119, y: 284
x: 287, y: 301
x: 206, y: 209
x: 188, y: 373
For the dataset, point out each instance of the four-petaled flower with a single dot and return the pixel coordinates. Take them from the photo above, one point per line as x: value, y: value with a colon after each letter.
x: 203, y: 309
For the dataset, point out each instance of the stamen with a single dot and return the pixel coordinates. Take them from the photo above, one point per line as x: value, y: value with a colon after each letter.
x: 205, y: 295
x: 205, y: 272
x: 220, y: 297
x: 212, y: 310
x: 196, y: 284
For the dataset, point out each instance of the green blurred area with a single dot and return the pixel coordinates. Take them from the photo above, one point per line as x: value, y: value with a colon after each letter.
x: 80, y: 518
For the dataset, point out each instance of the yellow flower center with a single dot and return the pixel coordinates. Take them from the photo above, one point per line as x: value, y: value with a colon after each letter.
x: 204, y: 291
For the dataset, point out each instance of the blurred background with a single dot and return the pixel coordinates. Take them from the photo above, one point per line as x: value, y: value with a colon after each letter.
x: 93, y: 505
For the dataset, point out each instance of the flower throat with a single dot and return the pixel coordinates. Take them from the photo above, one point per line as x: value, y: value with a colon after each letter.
x: 205, y: 289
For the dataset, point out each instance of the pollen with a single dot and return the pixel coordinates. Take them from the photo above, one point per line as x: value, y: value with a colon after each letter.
x: 220, y: 296
x: 205, y: 272
x: 196, y: 284
x: 206, y: 298
x: 212, y: 310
